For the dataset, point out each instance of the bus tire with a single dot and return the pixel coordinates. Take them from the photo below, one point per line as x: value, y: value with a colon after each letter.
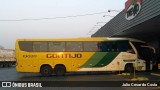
x: 129, y: 68
x: 5, y: 64
x: 1, y: 65
x: 60, y: 70
x: 46, y: 71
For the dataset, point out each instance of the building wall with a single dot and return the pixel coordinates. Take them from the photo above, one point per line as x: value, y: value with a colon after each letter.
x: 150, y: 9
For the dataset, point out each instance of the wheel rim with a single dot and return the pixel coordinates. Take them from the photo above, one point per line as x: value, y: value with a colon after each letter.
x: 60, y: 71
x: 46, y: 71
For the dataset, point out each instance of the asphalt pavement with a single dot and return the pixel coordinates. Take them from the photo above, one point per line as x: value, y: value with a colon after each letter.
x: 10, y: 74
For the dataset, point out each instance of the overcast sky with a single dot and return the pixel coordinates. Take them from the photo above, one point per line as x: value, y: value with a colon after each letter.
x: 52, y: 28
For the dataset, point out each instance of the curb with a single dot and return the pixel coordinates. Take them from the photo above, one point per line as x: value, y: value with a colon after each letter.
x: 140, y: 79
x: 124, y: 74
x: 155, y: 74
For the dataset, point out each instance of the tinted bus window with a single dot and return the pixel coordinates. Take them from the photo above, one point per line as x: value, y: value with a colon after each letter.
x: 108, y: 47
x: 90, y: 46
x: 74, y: 46
x: 124, y: 46
x: 105, y: 47
x: 56, y: 46
x: 26, y: 46
x: 40, y: 47
x: 115, y: 46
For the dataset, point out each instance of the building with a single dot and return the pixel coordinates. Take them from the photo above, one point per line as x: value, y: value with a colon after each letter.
x: 140, y: 19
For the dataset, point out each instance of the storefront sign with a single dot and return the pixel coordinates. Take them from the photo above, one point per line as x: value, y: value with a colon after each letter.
x: 132, y: 8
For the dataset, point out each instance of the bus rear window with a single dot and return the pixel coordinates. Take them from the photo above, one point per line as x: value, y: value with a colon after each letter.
x: 26, y: 46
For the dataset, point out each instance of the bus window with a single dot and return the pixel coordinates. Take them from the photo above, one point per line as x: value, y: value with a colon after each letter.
x: 26, y: 46
x: 107, y: 47
x: 90, y: 46
x: 74, y: 46
x: 124, y: 46
x: 40, y: 47
x: 116, y: 46
x: 104, y: 46
x: 56, y: 46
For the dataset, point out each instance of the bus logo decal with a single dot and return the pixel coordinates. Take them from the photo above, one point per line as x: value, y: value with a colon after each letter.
x: 132, y: 8
x: 78, y: 55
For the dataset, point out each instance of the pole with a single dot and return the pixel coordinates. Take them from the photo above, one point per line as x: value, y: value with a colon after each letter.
x: 134, y: 76
x: 119, y: 68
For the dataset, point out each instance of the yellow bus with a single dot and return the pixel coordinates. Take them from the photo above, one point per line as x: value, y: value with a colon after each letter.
x: 58, y: 56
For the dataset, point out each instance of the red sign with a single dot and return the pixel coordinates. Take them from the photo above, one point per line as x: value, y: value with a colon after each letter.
x: 132, y: 8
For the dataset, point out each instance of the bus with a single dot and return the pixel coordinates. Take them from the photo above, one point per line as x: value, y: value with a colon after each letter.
x: 59, y: 56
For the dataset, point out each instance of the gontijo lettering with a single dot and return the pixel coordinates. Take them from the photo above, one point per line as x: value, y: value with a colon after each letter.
x: 77, y: 55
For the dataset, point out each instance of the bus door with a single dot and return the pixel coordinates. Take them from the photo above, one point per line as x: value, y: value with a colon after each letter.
x: 148, y: 55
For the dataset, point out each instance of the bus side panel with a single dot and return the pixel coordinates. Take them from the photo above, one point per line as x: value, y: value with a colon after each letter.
x: 116, y: 63
x: 26, y: 62
x: 85, y: 57
x: 71, y: 60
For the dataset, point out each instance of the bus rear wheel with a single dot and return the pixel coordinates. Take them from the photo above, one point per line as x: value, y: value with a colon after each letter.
x: 60, y: 70
x: 46, y: 71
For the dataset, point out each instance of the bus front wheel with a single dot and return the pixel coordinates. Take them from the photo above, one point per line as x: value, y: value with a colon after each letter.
x: 60, y: 70
x: 129, y: 68
x: 46, y: 71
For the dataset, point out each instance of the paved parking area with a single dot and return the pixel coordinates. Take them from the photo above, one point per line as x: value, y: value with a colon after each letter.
x: 10, y: 74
